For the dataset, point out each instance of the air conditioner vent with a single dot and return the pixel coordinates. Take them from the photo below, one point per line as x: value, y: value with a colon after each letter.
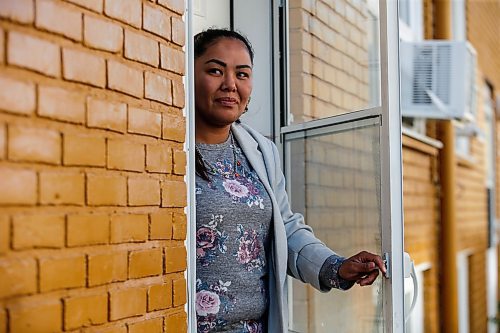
x: 437, y: 79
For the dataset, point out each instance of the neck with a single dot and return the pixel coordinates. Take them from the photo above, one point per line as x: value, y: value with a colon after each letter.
x: 211, y: 135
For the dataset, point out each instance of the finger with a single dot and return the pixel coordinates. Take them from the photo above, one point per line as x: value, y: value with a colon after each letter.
x: 370, y: 257
x: 369, y: 279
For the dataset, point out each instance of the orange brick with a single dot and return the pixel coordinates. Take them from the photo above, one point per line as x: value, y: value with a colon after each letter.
x: 141, y: 48
x: 101, y: 34
x: 19, y: 187
x: 180, y: 162
x: 180, y: 292
x: 104, y: 190
x: 178, y: 93
x: 156, y: 21
x: 127, y: 303
x: 121, y: 328
x: 175, y: 259
x: 160, y: 296
x: 172, y: 59
x: 129, y: 228
x: 88, y: 229
x: 178, y: 31
x: 84, y: 150
x: 42, y: 318
x: 34, y: 145
x: 3, y: 142
x: 179, y: 229
x: 173, y: 194
x: 39, y: 230
x: 145, y: 263
x: 176, y: 323
x: 22, y: 11
x: 107, y: 115
x: 174, y: 127
x: 158, y: 158
x: 144, y: 122
x: 143, y: 191
x: 126, y: 155
x: 84, y: 67
x: 161, y: 225
x: 4, y: 234
x: 95, y: 5
x: 158, y: 88
x: 85, y: 311
x: 34, y: 54
x: 125, y: 79
x: 129, y: 11
x: 62, y: 188
x: 174, y: 5
x: 146, y: 326
x: 61, y: 104
x: 17, y: 96
x: 18, y: 276
x: 61, y: 273
x: 62, y: 20
x: 107, y: 268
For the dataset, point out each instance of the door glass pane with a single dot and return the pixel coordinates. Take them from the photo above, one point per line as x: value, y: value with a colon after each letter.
x: 333, y: 176
x: 213, y: 13
x: 334, y: 58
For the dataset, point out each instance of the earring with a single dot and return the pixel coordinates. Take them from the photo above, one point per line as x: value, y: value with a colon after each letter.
x: 246, y: 107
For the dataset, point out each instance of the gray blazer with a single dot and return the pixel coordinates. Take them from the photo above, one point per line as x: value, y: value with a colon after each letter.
x: 294, y: 247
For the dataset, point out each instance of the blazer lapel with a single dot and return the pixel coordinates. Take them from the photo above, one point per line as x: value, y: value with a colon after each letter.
x: 251, y: 149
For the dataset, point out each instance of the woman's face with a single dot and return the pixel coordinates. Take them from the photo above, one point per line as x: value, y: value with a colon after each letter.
x: 223, y: 82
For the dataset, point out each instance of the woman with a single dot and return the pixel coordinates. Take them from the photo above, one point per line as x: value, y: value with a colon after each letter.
x: 247, y: 236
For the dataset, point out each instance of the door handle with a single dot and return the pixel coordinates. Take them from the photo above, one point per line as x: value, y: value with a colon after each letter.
x: 409, y: 271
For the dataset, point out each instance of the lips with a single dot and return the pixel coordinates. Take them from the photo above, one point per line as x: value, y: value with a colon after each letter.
x: 227, y: 101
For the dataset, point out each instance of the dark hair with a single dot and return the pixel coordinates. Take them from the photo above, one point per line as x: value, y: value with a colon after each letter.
x: 202, y: 41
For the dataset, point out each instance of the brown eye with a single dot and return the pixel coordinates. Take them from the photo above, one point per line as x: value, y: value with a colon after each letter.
x: 215, y: 71
x: 243, y: 75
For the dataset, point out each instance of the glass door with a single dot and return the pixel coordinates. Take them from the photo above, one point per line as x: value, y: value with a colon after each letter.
x: 341, y: 143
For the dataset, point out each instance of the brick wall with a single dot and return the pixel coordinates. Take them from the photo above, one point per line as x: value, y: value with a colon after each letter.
x: 421, y: 219
x: 329, y: 57
x: 482, y: 32
x: 92, y: 195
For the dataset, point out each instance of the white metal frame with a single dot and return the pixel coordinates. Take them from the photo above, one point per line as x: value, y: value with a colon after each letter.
x: 190, y: 172
x: 391, y: 163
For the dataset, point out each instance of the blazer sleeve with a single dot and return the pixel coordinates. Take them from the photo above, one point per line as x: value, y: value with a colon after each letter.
x: 306, y: 253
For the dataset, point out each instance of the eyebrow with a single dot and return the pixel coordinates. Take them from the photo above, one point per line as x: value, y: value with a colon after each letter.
x: 223, y: 64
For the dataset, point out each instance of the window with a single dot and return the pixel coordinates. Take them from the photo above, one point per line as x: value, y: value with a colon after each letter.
x: 463, y: 291
x: 411, y: 28
x: 334, y: 58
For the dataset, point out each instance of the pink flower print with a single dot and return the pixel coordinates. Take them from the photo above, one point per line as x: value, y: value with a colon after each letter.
x: 253, y: 327
x: 235, y: 188
x: 249, y: 248
x: 205, y: 238
x: 207, y: 303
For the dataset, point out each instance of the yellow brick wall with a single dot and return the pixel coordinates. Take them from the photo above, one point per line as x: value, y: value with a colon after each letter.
x: 421, y: 220
x: 483, y: 32
x: 92, y: 196
x: 329, y: 57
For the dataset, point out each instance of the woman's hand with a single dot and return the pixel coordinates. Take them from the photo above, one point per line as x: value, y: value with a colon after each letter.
x: 363, y: 268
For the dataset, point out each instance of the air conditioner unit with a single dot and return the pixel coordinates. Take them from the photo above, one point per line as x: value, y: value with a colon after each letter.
x: 438, y: 79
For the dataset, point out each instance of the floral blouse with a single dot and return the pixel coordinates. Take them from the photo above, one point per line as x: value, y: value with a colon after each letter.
x: 233, y: 216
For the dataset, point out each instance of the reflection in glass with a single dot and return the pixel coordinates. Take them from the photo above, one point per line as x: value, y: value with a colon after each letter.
x: 334, y: 181
x: 334, y: 58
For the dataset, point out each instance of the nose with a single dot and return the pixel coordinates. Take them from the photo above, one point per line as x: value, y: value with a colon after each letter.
x: 229, y: 83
